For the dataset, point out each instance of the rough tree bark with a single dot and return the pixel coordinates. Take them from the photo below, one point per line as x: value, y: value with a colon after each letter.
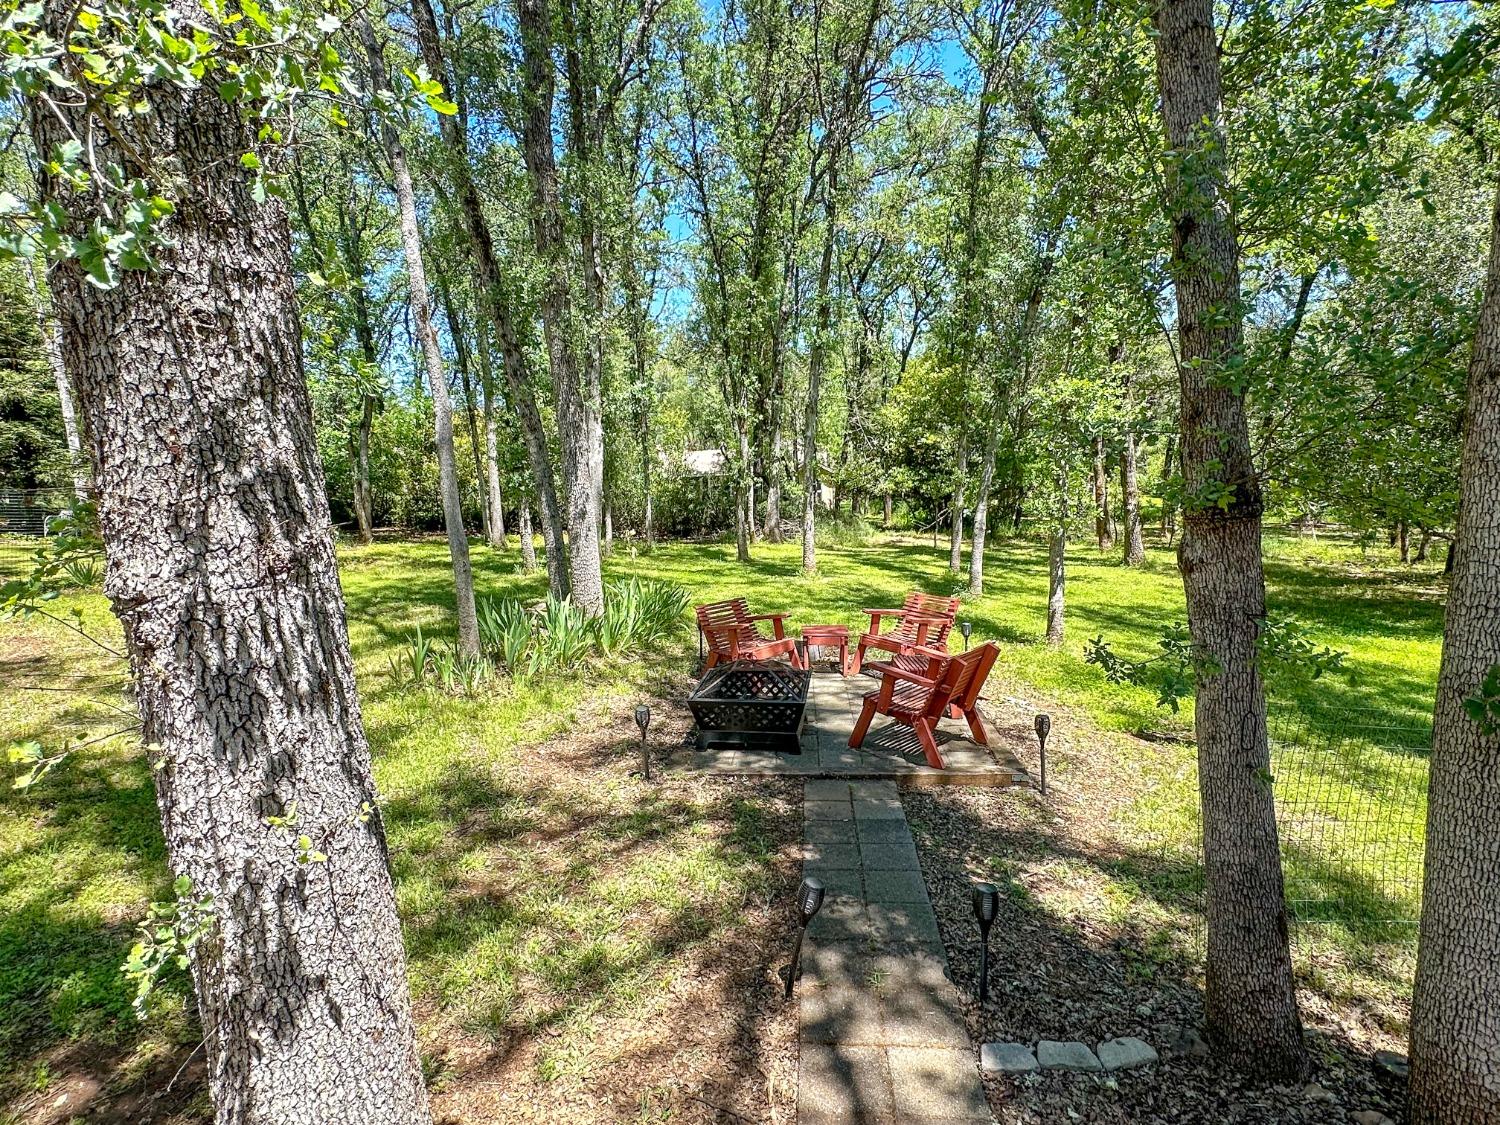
x: 220, y: 567
x: 1251, y: 1002
x: 432, y: 359
x: 574, y: 425
x: 491, y: 293
x: 1455, y: 1027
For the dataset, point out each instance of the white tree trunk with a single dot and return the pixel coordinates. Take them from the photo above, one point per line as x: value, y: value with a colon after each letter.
x: 432, y: 361
x: 51, y: 332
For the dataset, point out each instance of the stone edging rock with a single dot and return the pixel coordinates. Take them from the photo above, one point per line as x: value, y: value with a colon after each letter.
x: 1122, y: 1053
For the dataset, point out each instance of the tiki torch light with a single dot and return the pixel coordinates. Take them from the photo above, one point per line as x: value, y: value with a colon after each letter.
x: 1043, y: 729
x: 643, y: 720
x: 986, y: 901
x: 809, y: 902
x: 966, y: 627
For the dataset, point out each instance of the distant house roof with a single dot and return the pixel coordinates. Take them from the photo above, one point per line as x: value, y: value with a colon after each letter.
x: 705, y: 462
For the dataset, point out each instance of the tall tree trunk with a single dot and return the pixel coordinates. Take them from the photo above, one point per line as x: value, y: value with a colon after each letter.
x: 817, y: 357
x: 1251, y: 1001
x: 771, y: 528
x: 364, y: 503
x: 351, y: 246
x: 461, y: 353
x: 956, y: 516
x: 584, y: 141
x: 982, y: 506
x: 528, y: 536
x: 491, y: 293
x: 885, y: 510
x: 1424, y: 539
x: 1130, y: 501
x: 221, y: 569
x: 744, y: 496
x: 1168, y: 501
x: 47, y: 324
x: 432, y: 360
x: 494, y: 520
x: 648, y: 516
x: 1455, y: 1065
x: 1403, y: 543
x: 575, y: 427
x: 1104, y: 523
x: 1057, y: 573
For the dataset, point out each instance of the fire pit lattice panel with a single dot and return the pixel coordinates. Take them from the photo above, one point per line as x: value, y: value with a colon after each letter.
x: 751, y: 702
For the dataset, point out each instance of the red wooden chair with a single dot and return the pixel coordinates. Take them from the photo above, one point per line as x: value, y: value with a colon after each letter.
x: 731, y: 633
x: 920, y: 701
x: 923, y: 621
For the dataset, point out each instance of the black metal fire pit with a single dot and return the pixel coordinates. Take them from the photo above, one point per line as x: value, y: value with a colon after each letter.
x: 756, y: 703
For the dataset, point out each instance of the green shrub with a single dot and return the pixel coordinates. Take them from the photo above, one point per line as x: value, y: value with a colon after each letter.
x: 555, y: 637
x: 842, y: 529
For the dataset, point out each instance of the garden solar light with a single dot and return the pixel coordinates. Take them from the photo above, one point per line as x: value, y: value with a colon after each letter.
x: 986, y: 905
x: 1043, y: 729
x: 809, y: 902
x: 966, y: 627
x: 643, y: 720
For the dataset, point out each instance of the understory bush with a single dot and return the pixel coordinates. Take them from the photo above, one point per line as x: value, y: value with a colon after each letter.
x: 842, y: 528
x: 555, y: 636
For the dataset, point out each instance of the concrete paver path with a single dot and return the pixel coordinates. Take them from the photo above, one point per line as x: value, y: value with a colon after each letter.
x: 882, y: 1031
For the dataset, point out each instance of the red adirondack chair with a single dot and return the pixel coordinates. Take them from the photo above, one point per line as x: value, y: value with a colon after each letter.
x: 730, y: 632
x: 920, y: 701
x: 924, y: 620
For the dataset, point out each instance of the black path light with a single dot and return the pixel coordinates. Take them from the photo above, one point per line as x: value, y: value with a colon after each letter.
x: 966, y: 627
x: 809, y: 902
x: 1043, y: 729
x: 986, y: 905
x: 643, y: 720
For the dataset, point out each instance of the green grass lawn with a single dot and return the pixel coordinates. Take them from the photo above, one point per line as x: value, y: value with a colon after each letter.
x: 493, y: 842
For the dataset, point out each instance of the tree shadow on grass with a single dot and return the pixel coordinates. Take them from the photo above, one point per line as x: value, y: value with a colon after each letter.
x: 539, y: 905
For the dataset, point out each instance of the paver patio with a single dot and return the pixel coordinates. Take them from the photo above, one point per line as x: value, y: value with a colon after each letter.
x: 889, y: 750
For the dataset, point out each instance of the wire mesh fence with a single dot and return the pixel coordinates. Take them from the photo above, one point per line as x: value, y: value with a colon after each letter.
x: 1351, y: 813
x: 1351, y: 807
x: 25, y: 516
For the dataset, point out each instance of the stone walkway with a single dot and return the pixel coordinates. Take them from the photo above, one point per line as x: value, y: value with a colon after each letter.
x: 882, y: 1030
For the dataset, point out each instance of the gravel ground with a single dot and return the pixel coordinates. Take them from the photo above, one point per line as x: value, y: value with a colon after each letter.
x: 1087, y: 947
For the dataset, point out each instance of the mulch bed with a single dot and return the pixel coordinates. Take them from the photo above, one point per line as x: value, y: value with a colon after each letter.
x: 1072, y: 958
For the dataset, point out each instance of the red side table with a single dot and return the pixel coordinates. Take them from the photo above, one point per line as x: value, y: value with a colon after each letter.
x: 829, y: 636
